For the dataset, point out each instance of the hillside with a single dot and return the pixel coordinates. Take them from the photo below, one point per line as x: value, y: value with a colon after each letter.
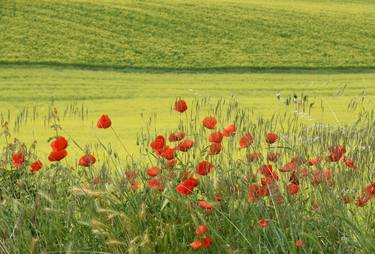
x: 181, y: 35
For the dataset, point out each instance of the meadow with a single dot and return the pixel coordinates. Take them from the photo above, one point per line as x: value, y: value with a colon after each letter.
x: 218, y: 126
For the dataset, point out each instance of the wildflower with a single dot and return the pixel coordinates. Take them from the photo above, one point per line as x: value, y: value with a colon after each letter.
x: 230, y: 131
x: 59, y: 144
x: 87, y: 160
x: 216, y: 137
x: 336, y: 152
x: 271, y: 138
x: 104, y: 122
x: 170, y: 163
x: 155, y: 183
x: 215, y: 148
x: 18, y: 159
x: 204, y: 167
x: 205, y: 205
x: 153, y: 171
x: 178, y: 136
x: 349, y: 162
x: 273, y: 156
x: 158, y: 143
x: 263, y: 223
x: 187, y: 186
x: 292, y: 188
x: 246, y: 140
x: 36, y: 166
x: 180, y: 105
x: 196, y: 244
x: 206, y: 242
x: 57, y: 155
x: 254, y: 193
x: 185, y: 145
x: 201, y: 230
x: 168, y: 153
x: 299, y: 243
x: 362, y: 201
x: 209, y: 122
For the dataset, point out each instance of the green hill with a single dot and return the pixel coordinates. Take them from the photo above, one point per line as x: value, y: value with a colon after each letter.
x: 189, y: 34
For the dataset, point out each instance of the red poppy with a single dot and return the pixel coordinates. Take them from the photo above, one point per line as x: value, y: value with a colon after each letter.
x: 57, y: 155
x: 336, y: 152
x: 168, y: 153
x: 273, y: 156
x: 206, y: 242
x: 253, y: 156
x: 215, y: 148
x: 370, y: 190
x: 155, y: 183
x: 87, y: 160
x: 318, y: 176
x: 271, y: 138
x: 187, y: 186
x: 180, y: 105
x: 185, y: 145
x: 230, y: 131
x: 362, y: 201
x: 265, y: 170
x: 349, y: 162
x: 153, y: 171
x: 201, y: 230
x: 18, y: 159
x: 36, y: 166
x: 263, y: 223
x: 158, y: 143
x: 170, y: 163
x: 204, y: 167
x: 209, y: 122
x: 178, y: 136
x: 205, y: 205
x: 59, y: 144
x: 289, y: 167
x: 104, y: 122
x: 246, y: 140
x: 134, y: 184
x: 254, y: 193
x: 299, y: 243
x: 315, y: 161
x: 292, y: 188
x: 216, y: 137
x: 196, y: 244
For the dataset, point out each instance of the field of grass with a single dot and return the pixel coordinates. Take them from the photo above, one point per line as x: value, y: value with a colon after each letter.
x: 126, y: 96
x: 170, y: 34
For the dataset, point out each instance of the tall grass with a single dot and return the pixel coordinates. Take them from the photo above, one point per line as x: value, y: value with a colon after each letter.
x: 67, y: 208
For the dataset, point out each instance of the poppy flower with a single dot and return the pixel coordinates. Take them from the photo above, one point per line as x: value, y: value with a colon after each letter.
x: 299, y: 243
x: 59, y: 144
x: 370, y: 190
x: 253, y: 156
x: 253, y: 193
x: 273, y: 156
x: 87, y: 160
x: 318, y: 176
x: 362, y: 201
x: 205, y: 205
x: 271, y: 138
x: 134, y: 184
x: 153, y: 171
x: 349, y: 162
x: 155, y: 183
x: 215, y: 148
x: 204, y: 167
x: 336, y: 153
x: 185, y: 145
x: 230, y: 131
x: 196, y: 244
x: 209, y: 122
x: 289, y: 167
x: 206, y: 242
x: 36, y: 166
x: 187, y: 186
x: 263, y: 223
x: 18, y: 159
x: 180, y: 105
x: 178, y: 136
x: 201, y: 230
x: 246, y: 140
x: 315, y: 161
x: 57, y: 155
x: 265, y: 170
x: 170, y: 163
x: 168, y: 153
x: 158, y: 143
x: 104, y: 122
x: 292, y: 188
x: 216, y: 137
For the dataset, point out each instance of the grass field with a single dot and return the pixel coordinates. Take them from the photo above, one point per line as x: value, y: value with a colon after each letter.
x: 224, y: 34
x: 296, y: 78
x: 125, y: 96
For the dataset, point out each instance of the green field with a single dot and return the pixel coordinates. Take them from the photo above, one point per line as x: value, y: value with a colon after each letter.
x: 170, y: 35
x: 125, y: 96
